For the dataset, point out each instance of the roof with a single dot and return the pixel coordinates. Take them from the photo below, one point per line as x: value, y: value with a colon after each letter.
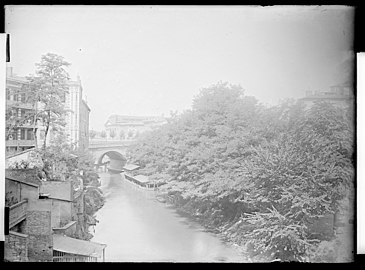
x: 16, y: 78
x: 120, y: 119
x: 130, y: 167
x: 71, y: 82
x: 142, y: 178
x: 30, y: 176
x: 76, y: 246
x: 20, y: 181
x: 327, y: 97
x: 20, y: 153
x: 86, y: 105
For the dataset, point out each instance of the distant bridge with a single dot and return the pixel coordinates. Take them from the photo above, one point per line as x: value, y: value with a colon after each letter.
x: 114, y: 150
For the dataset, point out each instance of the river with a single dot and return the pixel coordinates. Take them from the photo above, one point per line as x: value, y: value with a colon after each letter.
x: 137, y: 228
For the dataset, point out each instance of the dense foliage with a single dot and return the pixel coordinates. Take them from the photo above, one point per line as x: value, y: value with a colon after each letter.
x: 47, y: 91
x: 260, y: 174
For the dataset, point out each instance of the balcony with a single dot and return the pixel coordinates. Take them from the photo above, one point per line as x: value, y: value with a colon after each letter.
x: 17, y: 213
x: 20, y: 143
x: 19, y: 104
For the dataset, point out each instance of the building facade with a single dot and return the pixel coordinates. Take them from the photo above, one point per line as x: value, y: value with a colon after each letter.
x: 128, y: 127
x: 20, y: 136
x: 340, y: 95
x: 46, y: 220
x: 77, y: 119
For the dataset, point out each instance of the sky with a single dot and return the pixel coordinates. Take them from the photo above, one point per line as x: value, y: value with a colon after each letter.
x: 151, y: 60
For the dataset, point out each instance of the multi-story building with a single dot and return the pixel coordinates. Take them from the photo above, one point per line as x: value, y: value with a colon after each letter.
x: 46, y: 220
x: 77, y: 120
x: 21, y: 137
x: 340, y: 95
x: 126, y: 127
x: 84, y: 126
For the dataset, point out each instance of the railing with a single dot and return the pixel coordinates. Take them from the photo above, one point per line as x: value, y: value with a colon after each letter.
x: 19, y: 104
x: 107, y: 143
x: 20, y: 143
x: 68, y: 229
x: 74, y: 259
x: 17, y: 213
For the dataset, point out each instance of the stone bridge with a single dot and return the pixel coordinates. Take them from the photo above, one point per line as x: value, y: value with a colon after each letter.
x: 114, y: 150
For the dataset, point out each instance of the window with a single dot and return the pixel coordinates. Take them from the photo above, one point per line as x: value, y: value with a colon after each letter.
x: 21, y: 113
x: 63, y: 97
x: 22, y: 134
x: 30, y: 134
x: 8, y: 94
x: 22, y: 97
x: 13, y: 113
x: 13, y: 136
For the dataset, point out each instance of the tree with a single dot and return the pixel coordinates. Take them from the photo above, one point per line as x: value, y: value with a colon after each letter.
x: 261, y: 173
x: 112, y: 133
x: 130, y: 133
x: 103, y: 134
x: 121, y: 134
x: 300, y: 177
x: 92, y: 134
x: 47, y: 90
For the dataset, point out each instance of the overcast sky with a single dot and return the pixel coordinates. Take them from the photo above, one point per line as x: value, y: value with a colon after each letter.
x: 150, y: 60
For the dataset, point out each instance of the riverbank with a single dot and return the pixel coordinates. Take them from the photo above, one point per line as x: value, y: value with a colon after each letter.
x: 219, y: 231
x: 232, y: 231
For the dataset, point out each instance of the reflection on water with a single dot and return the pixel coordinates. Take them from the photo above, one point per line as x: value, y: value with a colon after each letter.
x: 138, y: 228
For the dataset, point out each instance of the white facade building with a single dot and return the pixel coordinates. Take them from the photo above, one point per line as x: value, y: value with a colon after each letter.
x: 77, y: 118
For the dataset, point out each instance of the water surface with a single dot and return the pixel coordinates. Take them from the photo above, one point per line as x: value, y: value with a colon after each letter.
x: 137, y: 228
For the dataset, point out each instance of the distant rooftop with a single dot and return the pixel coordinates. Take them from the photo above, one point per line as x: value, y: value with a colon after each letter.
x: 10, y: 75
x: 130, y: 167
x: 142, y: 178
x: 125, y: 119
x: 336, y: 92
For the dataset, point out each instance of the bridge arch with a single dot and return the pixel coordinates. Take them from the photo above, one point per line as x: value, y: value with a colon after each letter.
x: 117, y: 160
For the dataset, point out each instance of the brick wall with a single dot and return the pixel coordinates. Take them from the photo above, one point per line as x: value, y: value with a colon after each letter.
x: 40, y: 248
x: 16, y: 247
x: 39, y: 222
x: 39, y: 229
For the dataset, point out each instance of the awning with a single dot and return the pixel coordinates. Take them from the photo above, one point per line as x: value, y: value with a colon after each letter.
x: 141, y: 178
x: 76, y: 246
x: 130, y: 167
